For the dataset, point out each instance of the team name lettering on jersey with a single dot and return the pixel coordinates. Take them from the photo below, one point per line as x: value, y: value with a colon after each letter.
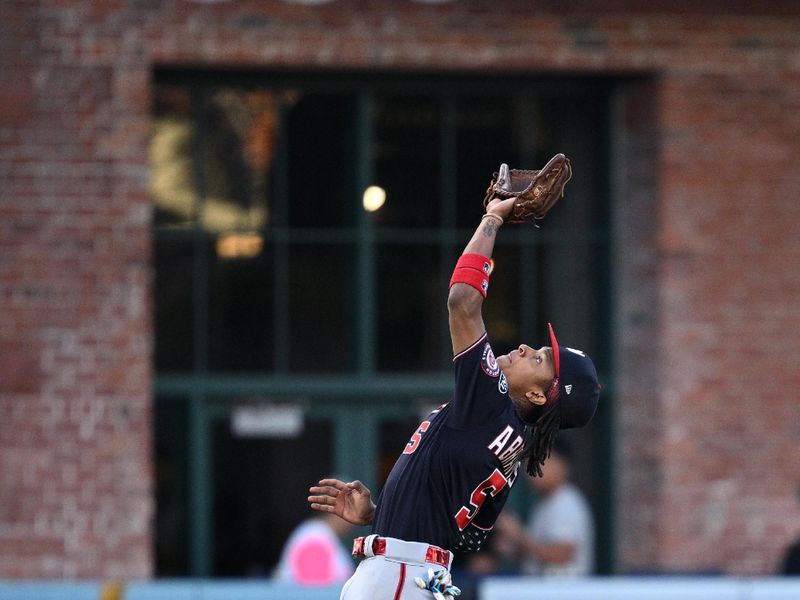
x: 508, y: 453
x: 501, y: 440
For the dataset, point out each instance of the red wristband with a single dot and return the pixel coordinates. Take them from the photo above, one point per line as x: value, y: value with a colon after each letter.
x: 471, y: 277
x: 477, y: 262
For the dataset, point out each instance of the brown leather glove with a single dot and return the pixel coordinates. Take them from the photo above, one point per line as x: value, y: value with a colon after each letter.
x: 536, y: 191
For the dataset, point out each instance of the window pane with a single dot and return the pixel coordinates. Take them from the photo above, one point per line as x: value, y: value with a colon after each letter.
x: 406, y: 155
x: 412, y: 308
x: 486, y: 138
x: 172, y: 184
x: 171, y: 463
x: 321, y: 308
x: 174, y: 342
x: 238, y: 147
x: 322, y: 163
x: 253, y: 478
x: 240, y: 318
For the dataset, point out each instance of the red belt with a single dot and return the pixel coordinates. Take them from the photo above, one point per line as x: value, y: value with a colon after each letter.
x: 407, y: 551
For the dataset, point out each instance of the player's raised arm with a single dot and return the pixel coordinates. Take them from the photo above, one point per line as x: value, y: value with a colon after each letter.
x: 470, y: 280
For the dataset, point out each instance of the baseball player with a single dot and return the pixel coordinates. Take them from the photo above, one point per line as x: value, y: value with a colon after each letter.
x: 454, y: 474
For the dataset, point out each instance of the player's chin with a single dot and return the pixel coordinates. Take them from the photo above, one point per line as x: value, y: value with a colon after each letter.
x: 503, y: 361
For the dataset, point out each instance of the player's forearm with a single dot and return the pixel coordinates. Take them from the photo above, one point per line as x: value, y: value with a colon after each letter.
x: 470, y: 284
x: 482, y: 241
x: 465, y: 300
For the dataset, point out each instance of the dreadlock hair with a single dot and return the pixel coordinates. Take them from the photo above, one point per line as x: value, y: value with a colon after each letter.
x: 543, y: 432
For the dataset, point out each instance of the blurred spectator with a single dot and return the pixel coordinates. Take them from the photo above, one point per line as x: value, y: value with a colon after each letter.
x: 314, y: 554
x: 791, y: 560
x: 496, y: 558
x: 559, y: 538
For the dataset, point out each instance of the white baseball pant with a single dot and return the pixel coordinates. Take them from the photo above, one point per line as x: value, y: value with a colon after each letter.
x: 389, y: 568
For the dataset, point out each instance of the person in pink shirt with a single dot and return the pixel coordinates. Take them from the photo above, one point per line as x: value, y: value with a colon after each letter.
x: 314, y: 555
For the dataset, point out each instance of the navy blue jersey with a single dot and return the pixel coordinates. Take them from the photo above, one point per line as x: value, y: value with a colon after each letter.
x: 453, y: 478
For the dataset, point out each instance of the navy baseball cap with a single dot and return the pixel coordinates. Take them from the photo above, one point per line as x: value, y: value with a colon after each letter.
x: 578, y: 388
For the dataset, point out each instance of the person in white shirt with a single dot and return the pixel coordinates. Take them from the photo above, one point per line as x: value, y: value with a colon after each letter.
x: 314, y: 554
x: 558, y: 540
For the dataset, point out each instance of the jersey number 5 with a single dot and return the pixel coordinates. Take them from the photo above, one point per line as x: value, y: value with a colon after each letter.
x: 488, y: 487
x: 413, y: 443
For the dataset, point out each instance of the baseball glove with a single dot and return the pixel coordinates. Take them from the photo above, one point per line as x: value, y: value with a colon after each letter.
x: 536, y: 191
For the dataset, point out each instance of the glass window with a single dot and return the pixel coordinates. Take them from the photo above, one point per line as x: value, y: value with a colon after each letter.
x: 407, y: 159
x: 412, y: 307
x: 174, y: 340
x: 321, y: 308
x: 282, y: 263
x: 253, y: 477
x: 240, y: 305
x: 172, y: 133
x: 171, y: 493
x: 485, y: 138
x: 237, y: 143
x: 322, y: 166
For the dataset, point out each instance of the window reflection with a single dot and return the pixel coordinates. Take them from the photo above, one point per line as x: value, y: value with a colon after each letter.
x: 236, y: 148
x: 172, y: 184
x: 237, y: 152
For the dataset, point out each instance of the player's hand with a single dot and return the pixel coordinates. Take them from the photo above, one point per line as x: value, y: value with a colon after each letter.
x: 500, y: 207
x: 350, y: 501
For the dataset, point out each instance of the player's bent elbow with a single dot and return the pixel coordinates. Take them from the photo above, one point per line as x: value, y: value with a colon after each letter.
x: 463, y: 301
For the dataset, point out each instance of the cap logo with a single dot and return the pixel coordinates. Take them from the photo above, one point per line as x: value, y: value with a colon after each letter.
x: 578, y: 352
x: 568, y: 389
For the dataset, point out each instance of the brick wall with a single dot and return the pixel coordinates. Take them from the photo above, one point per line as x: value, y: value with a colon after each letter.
x: 707, y: 217
x: 730, y: 308
x: 75, y: 470
x: 640, y: 419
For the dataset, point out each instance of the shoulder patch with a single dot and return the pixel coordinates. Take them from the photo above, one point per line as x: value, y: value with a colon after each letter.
x: 489, y: 362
